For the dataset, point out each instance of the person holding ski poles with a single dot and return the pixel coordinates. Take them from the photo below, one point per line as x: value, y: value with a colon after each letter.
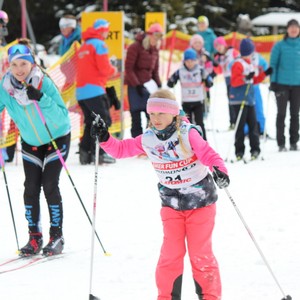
x: 242, y: 98
x: 224, y: 58
x: 30, y: 95
x: 187, y: 191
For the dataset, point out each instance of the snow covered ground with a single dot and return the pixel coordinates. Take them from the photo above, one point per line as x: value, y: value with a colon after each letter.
x: 128, y: 222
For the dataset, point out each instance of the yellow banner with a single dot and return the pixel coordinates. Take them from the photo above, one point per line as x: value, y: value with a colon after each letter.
x: 115, y: 44
x: 155, y: 17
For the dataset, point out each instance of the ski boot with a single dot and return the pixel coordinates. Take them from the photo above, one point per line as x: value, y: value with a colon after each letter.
x: 282, y: 148
x: 106, y: 159
x: 55, y: 245
x: 254, y: 155
x: 34, y: 244
x: 84, y: 157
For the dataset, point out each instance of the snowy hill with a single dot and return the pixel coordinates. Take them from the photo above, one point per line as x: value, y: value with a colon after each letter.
x: 128, y: 223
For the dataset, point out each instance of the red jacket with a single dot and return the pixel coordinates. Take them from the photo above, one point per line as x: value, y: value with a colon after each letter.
x: 93, y: 66
x: 238, y: 77
x: 141, y: 64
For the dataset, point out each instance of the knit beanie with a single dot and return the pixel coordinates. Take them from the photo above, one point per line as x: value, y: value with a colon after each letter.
x: 246, y: 47
x: 156, y: 27
x: 190, y: 54
x: 196, y: 38
x: 101, y: 25
x: 203, y: 19
x: 220, y: 41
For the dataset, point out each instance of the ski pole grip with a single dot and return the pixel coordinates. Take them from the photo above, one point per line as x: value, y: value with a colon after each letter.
x: 97, y: 117
x: 215, y: 170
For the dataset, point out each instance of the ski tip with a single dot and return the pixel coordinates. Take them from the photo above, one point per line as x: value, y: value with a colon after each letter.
x: 107, y: 254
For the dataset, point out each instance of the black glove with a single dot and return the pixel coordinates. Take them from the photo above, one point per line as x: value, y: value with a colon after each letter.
x: 33, y: 93
x: 140, y: 90
x: 221, y: 179
x: 215, y: 63
x: 250, y: 75
x: 273, y: 87
x: 99, y: 129
x: 269, y: 71
x: 170, y: 83
x: 113, y: 98
x: 213, y: 74
x: 209, y: 82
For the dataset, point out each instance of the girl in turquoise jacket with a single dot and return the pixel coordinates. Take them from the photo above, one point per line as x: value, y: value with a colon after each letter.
x: 26, y: 92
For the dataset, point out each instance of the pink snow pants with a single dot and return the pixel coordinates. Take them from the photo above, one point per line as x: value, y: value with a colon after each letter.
x: 195, y: 227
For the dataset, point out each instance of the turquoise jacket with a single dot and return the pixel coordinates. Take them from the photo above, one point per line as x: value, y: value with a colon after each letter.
x: 285, y: 61
x: 28, y: 120
x: 208, y: 37
x: 66, y: 42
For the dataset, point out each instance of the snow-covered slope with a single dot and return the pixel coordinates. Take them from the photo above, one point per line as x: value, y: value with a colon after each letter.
x: 128, y: 222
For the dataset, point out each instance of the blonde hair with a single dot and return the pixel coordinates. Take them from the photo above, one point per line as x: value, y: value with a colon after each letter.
x: 164, y: 93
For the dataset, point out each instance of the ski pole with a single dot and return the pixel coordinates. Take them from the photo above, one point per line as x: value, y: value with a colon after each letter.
x: 2, y: 163
x: 64, y: 166
x: 286, y: 297
x: 92, y: 297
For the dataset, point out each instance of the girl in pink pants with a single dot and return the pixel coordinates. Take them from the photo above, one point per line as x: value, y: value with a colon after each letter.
x: 181, y: 159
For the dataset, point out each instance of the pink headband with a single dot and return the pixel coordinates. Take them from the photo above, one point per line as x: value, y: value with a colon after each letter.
x: 162, y: 105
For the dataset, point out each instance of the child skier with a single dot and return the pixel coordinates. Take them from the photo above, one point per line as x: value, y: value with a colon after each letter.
x: 186, y: 189
x: 224, y: 57
x: 242, y: 98
x: 20, y: 87
x: 192, y: 76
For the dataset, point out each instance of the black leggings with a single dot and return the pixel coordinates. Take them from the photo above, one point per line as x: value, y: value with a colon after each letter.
x: 284, y: 95
x: 248, y: 117
x: 42, y: 168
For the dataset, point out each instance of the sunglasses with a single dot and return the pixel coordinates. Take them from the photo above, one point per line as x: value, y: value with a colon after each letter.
x: 21, y: 49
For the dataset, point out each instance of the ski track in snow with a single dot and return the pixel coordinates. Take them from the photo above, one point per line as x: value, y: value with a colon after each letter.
x: 128, y: 223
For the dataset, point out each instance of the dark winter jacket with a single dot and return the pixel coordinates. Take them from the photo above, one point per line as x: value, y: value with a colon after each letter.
x: 141, y: 64
x: 285, y: 61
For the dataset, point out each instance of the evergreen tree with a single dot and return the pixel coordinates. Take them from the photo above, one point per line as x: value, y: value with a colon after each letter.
x: 222, y: 14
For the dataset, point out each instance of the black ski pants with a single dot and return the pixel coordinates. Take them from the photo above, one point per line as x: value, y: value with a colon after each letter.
x: 98, y: 105
x: 195, y: 113
x: 285, y: 94
x: 42, y: 168
x: 248, y: 117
